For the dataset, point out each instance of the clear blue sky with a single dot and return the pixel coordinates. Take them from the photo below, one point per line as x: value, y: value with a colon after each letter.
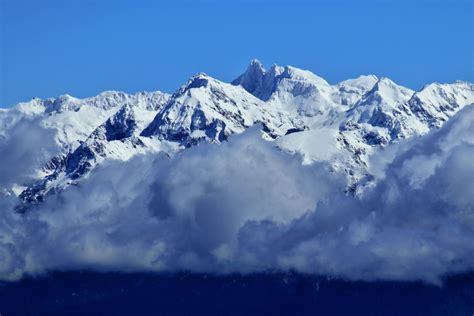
x: 82, y: 47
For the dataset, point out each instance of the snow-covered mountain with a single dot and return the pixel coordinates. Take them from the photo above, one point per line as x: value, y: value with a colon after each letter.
x: 208, y: 109
x: 341, y: 124
x: 436, y: 103
x: 348, y: 120
x: 89, y: 131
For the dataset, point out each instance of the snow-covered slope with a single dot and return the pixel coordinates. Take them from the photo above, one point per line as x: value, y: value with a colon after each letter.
x: 349, y: 120
x: 75, y: 119
x: 208, y: 109
x: 436, y: 102
x: 87, y: 131
x: 298, y: 91
x: 341, y: 124
x: 351, y: 90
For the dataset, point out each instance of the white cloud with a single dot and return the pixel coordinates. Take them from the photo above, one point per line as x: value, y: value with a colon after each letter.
x: 246, y: 206
x: 25, y: 145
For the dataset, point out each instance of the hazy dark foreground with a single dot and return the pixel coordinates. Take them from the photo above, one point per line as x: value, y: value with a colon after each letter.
x: 86, y: 293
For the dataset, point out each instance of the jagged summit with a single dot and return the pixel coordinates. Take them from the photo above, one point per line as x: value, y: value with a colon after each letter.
x: 196, y: 80
x: 256, y: 63
x: 262, y: 83
x: 252, y: 78
x: 208, y: 109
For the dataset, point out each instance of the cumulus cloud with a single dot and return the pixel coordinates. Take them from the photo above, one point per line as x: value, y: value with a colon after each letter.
x: 161, y: 213
x: 244, y: 206
x: 25, y: 145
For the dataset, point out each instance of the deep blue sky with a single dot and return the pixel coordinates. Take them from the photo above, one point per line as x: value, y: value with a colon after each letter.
x: 82, y: 48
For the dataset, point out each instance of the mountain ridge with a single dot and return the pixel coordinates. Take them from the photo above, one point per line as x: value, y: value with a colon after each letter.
x: 357, y: 116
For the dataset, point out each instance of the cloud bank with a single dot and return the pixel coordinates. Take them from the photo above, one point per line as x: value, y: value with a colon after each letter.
x: 245, y: 206
x: 25, y: 145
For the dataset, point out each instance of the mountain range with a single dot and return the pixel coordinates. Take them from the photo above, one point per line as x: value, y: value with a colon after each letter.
x: 340, y: 124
